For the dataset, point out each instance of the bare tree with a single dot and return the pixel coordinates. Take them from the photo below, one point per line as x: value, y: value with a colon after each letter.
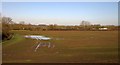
x: 6, y: 27
x: 85, y: 23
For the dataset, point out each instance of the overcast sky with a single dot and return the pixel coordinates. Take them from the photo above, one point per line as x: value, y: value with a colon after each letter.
x: 63, y: 13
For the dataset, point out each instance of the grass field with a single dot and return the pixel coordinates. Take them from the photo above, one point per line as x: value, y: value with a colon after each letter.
x: 70, y: 47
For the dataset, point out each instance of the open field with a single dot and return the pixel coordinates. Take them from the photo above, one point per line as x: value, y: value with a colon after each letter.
x: 70, y: 47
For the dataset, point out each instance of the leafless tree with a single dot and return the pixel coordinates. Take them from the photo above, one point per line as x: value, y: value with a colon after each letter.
x: 6, y: 27
x: 85, y: 23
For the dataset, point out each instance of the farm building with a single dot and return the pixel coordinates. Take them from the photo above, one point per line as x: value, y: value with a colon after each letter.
x: 103, y: 28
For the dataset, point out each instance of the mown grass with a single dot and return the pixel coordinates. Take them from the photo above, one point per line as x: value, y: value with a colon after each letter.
x: 15, y: 39
x: 70, y: 47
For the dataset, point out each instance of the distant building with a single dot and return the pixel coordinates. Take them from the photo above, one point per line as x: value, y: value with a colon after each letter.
x: 103, y: 28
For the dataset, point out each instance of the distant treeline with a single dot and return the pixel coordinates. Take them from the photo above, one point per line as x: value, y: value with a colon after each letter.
x: 55, y: 27
x: 8, y: 25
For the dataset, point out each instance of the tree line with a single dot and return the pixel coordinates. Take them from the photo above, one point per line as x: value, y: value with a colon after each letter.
x: 84, y: 26
x: 8, y: 25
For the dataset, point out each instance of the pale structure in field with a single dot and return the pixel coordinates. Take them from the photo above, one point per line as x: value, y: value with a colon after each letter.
x: 37, y: 37
x: 103, y: 28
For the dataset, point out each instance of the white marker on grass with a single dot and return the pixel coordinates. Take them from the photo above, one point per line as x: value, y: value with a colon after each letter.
x: 49, y: 45
x: 37, y: 47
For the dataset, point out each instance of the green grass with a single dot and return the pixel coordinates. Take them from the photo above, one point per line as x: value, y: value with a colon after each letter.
x: 16, y: 38
x: 72, y: 47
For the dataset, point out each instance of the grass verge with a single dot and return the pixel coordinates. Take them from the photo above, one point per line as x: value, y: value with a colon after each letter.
x: 16, y: 38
